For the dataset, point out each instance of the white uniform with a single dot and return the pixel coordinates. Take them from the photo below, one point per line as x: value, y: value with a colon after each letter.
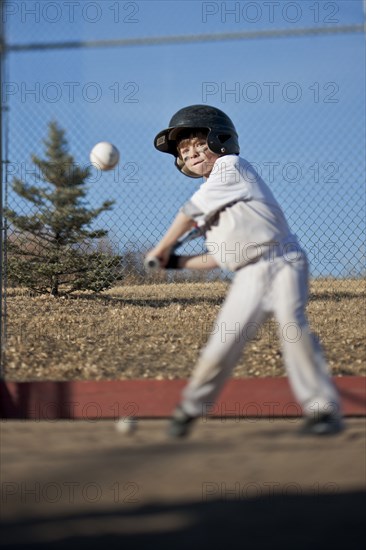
x: 248, y: 233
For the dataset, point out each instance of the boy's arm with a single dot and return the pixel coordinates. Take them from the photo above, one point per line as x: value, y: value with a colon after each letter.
x: 181, y: 224
x: 201, y: 262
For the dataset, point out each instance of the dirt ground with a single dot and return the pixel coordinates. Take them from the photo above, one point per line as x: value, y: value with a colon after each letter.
x: 156, y: 331
x: 243, y: 484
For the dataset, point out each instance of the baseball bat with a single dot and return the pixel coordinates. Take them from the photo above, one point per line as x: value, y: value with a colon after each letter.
x: 151, y: 262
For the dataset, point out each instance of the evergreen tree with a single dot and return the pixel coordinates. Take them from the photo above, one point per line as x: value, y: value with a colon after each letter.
x: 53, y: 248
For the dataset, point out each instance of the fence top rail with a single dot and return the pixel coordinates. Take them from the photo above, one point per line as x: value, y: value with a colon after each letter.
x: 184, y: 39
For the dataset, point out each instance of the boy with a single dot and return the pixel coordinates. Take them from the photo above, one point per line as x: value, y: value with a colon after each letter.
x: 247, y: 233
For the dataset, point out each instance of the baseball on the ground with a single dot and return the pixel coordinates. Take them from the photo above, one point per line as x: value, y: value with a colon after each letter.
x: 127, y: 425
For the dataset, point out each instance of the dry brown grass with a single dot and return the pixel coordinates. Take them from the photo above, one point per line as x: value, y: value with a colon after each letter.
x: 156, y: 331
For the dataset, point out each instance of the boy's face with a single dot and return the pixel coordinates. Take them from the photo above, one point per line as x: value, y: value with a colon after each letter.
x: 197, y: 156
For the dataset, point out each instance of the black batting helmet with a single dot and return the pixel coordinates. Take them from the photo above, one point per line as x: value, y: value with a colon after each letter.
x: 222, y: 137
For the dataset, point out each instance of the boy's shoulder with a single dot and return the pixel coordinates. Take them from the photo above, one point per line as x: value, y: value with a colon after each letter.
x: 227, y: 162
x: 232, y: 160
x: 231, y: 164
x: 229, y: 159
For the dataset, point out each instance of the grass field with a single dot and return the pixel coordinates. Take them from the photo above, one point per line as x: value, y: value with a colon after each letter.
x: 156, y: 331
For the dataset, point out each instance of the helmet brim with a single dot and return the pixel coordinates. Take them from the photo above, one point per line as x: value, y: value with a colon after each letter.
x: 166, y: 140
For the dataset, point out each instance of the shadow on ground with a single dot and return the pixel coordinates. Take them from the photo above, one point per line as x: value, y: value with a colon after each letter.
x: 162, y: 302
x: 293, y: 522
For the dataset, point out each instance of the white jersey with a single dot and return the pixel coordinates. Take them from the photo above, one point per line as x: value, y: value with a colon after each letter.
x: 245, y: 226
x: 244, y: 221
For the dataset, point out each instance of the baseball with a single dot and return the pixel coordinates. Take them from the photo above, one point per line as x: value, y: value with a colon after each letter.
x: 127, y: 425
x: 104, y: 155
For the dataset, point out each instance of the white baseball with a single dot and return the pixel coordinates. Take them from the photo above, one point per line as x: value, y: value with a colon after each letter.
x: 127, y: 425
x: 104, y: 155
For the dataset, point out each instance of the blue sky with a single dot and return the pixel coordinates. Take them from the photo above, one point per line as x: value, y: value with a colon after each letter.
x: 38, y: 21
x: 298, y: 104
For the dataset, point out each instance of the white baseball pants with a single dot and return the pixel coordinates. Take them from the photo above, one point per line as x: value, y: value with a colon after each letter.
x: 278, y: 286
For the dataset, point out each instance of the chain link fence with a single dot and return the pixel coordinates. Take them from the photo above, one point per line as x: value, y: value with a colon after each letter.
x: 289, y: 74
